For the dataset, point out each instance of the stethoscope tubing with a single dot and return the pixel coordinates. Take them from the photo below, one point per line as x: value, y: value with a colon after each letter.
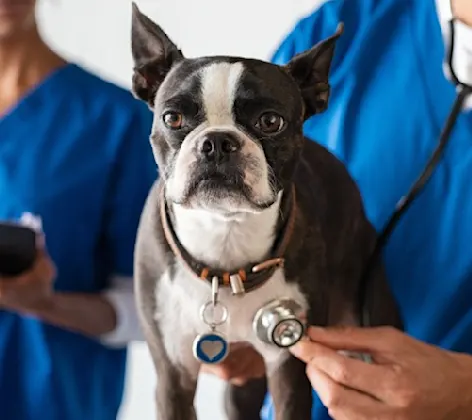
x: 464, y: 90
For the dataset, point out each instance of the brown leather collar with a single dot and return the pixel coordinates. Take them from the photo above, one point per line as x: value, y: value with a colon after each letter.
x: 251, y: 276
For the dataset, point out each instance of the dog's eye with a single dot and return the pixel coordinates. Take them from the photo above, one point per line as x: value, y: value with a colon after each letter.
x: 173, y: 120
x: 270, y: 123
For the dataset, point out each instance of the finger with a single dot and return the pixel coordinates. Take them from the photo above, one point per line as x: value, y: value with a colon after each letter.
x: 369, y: 378
x: 220, y: 371
x: 246, y: 364
x: 15, y: 283
x: 230, y: 366
x: 239, y: 345
x: 247, y: 370
x: 342, y: 402
x: 223, y: 370
x: 239, y: 380
x: 367, y: 340
x: 9, y: 285
x: 239, y: 372
x: 43, y: 270
x: 9, y: 281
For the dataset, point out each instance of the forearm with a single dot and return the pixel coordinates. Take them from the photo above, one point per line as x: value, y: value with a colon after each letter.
x: 88, y: 314
x: 110, y: 317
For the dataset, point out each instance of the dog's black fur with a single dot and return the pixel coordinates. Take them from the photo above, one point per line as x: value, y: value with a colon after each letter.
x: 332, y: 238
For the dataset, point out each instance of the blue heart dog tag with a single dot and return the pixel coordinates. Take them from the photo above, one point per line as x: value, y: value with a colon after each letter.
x: 210, y: 348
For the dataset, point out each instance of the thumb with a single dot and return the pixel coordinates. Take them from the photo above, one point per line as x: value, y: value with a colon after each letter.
x: 369, y: 340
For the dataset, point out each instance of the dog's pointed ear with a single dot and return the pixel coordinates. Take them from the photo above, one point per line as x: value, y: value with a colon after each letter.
x: 310, y: 70
x: 153, y: 53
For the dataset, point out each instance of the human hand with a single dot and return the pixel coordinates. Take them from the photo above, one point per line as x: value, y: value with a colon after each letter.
x: 31, y: 291
x: 462, y: 9
x: 241, y: 365
x: 408, y: 380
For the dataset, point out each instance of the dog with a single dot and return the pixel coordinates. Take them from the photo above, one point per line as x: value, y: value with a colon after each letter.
x: 239, y: 187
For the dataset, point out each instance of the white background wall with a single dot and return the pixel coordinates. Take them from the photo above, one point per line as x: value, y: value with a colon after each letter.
x: 96, y: 33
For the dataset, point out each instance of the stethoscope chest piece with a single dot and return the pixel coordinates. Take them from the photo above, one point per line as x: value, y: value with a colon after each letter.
x: 280, y: 322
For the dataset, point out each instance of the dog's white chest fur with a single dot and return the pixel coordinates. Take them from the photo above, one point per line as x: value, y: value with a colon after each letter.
x: 230, y: 243
x: 181, y: 298
x: 228, y: 236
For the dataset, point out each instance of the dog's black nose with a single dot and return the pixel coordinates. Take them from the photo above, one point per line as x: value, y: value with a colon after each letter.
x: 219, y: 146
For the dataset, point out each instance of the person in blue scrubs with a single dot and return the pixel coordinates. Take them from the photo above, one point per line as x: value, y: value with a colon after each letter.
x: 390, y: 98
x: 74, y: 160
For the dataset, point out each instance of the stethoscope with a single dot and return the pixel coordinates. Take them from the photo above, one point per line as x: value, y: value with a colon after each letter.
x: 464, y: 90
x: 280, y: 322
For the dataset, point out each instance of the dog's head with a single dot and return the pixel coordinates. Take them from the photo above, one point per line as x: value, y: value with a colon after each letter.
x: 227, y: 131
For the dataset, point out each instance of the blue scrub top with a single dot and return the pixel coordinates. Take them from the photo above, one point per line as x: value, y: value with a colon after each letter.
x: 74, y: 151
x: 389, y: 100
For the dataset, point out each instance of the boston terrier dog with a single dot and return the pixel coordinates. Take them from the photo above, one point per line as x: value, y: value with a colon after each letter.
x: 247, y: 211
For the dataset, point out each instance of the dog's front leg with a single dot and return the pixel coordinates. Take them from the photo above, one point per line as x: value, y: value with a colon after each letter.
x: 176, y: 385
x: 245, y: 402
x: 290, y: 390
x: 175, y: 393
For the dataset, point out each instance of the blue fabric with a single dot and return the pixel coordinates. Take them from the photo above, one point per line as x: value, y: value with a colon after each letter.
x: 389, y: 101
x: 74, y: 151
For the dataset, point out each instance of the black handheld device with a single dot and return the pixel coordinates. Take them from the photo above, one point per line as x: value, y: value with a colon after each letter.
x: 17, y: 249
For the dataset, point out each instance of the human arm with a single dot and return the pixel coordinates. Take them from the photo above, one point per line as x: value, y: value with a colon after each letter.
x: 134, y: 174
x: 409, y: 379
x: 31, y: 294
x: 108, y: 315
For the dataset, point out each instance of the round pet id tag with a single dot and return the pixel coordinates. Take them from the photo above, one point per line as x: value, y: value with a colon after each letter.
x: 210, y: 348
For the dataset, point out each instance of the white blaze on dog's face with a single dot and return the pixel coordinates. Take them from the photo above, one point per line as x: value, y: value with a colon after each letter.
x: 216, y: 164
x: 227, y: 131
